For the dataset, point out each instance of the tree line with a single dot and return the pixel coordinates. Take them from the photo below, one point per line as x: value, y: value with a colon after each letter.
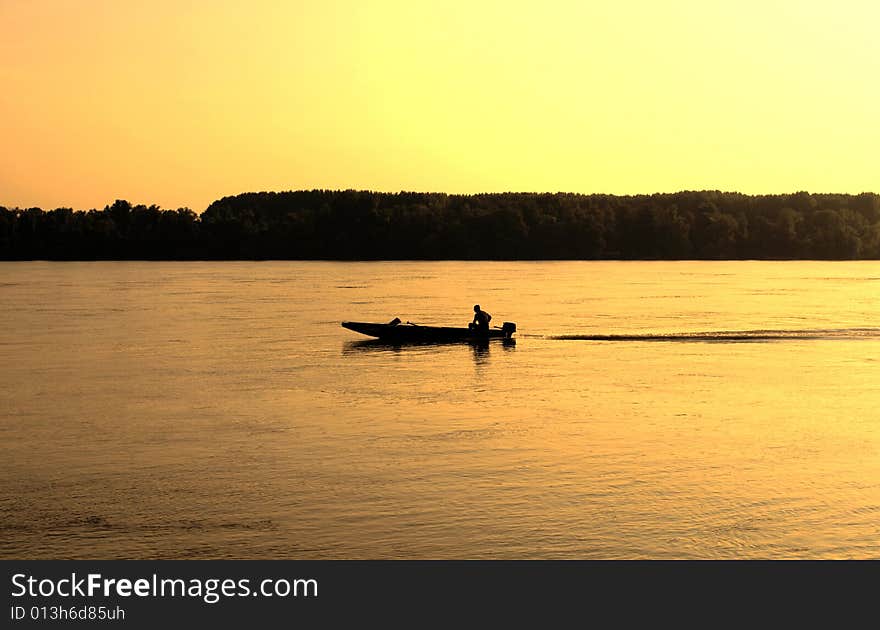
x: 365, y: 225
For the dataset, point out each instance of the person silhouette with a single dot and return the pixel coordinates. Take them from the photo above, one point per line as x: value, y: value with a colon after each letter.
x: 481, y: 320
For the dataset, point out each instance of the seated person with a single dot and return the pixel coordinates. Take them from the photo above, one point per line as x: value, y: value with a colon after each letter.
x: 481, y: 320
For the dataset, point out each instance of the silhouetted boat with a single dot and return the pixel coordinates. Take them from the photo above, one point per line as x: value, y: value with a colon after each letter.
x: 416, y: 333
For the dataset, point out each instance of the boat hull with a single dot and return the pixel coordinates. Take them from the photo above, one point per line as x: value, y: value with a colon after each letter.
x: 412, y: 333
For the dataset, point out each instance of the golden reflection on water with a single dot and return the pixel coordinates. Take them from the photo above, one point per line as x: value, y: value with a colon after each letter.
x: 219, y: 410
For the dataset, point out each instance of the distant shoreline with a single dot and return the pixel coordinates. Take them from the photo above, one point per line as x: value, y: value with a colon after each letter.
x: 369, y: 226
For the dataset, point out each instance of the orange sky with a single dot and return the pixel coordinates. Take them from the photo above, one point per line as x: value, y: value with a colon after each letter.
x: 179, y: 103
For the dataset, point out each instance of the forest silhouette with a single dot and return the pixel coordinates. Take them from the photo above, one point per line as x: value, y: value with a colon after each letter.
x: 365, y: 225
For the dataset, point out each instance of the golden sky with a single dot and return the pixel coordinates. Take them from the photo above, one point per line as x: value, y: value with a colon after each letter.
x: 179, y: 102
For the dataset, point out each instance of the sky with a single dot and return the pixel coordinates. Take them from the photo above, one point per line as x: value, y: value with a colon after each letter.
x: 181, y: 102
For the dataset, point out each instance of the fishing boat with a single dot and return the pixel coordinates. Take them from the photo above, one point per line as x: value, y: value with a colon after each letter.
x: 397, y: 332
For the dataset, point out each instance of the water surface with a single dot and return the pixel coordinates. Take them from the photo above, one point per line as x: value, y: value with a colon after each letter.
x: 647, y: 409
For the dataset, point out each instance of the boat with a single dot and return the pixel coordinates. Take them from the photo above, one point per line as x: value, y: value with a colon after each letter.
x: 396, y: 332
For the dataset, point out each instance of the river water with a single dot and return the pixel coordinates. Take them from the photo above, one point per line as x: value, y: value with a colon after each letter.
x: 647, y: 409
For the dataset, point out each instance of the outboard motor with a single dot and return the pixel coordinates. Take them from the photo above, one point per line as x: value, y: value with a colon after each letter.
x: 508, y: 328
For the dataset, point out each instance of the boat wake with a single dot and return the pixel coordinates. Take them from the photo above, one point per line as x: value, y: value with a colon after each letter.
x: 732, y: 336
